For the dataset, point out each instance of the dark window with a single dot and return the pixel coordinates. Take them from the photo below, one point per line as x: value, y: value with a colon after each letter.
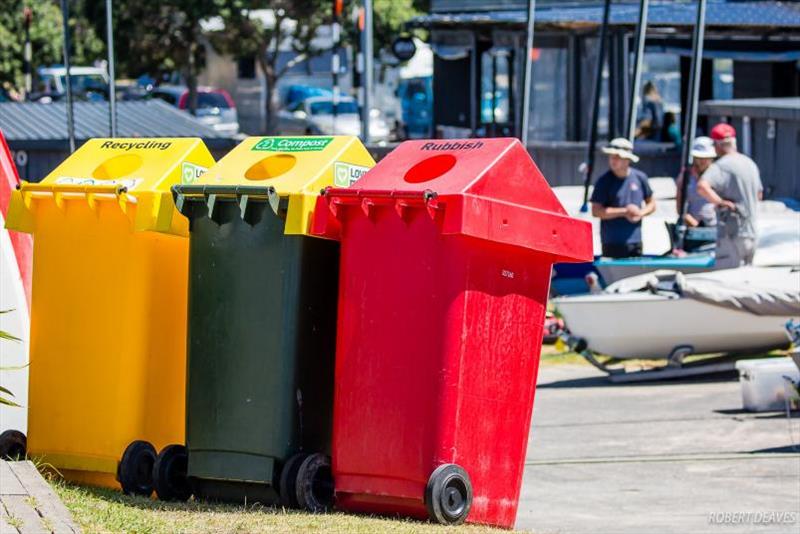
x: 166, y: 97
x: 325, y: 107
x: 212, y: 100
x: 247, y: 67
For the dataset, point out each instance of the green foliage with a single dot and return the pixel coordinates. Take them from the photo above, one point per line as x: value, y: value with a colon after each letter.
x: 46, y: 37
x: 295, y: 23
x: 390, y: 17
x: 152, y: 37
x: 4, y: 398
x: 5, y: 394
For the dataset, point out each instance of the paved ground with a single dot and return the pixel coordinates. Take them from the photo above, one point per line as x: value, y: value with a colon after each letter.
x: 27, y: 503
x: 654, y: 458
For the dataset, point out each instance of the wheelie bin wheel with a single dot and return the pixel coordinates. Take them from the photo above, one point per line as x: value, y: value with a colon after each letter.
x: 448, y: 495
x: 287, y: 486
x: 315, y: 484
x: 13, y: 445
x: 169, y: 474
x: 135, y: 469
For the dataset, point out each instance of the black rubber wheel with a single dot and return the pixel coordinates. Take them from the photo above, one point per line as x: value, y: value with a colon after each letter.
x: 169, y: 474
x: 315, y: 484
x: 135, y: 469
x: 287, y: 486
x: 448, y: 495
x: 13, y: 445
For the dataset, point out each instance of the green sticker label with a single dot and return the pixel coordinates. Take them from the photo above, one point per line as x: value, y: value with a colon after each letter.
x: 191, y: 172
x: 346, y: 174
x: 293, y: 144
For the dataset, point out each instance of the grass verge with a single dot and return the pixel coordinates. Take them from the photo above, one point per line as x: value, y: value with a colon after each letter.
x: 99, y: 510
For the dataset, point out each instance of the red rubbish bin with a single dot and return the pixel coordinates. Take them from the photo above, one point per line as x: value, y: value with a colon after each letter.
x: 446, y: 252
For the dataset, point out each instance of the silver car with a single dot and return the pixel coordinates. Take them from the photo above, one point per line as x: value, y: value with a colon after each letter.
x: 314, y: 116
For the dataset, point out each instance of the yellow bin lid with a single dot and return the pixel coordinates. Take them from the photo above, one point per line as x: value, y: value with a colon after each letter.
x: 296, y: 168
x: 135, y: 171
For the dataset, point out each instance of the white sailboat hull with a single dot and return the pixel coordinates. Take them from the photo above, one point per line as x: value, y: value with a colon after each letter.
x: 13, y: 354
x: 650, y: 326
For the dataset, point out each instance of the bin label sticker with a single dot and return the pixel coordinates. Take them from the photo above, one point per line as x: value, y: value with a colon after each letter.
x: 138, y: 145
x: 292, y: 144
x: 452, y: 145
x: 191, y: 172
x: 346, y: 174
x: 129, y: 183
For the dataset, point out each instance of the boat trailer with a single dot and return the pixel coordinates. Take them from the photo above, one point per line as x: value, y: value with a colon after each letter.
x: 674, y: 368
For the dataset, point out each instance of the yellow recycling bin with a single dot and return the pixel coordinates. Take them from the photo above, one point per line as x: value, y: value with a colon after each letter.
x: 108, y: 315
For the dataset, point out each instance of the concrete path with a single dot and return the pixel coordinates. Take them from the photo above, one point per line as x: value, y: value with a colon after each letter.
x: 669, y: 457
x: 28, y: 505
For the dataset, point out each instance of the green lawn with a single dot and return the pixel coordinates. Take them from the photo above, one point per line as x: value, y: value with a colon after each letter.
x: 100, y: 510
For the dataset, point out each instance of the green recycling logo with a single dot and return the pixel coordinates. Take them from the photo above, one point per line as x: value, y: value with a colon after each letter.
x: 346, y: 174
x: 191, y: 172
x: 292, y: 144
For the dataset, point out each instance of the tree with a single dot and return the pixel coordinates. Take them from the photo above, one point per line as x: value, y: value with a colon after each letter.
x: 158, y: 37
x: 390, y: 17
x: 288, y: 23
x: 46, y: 38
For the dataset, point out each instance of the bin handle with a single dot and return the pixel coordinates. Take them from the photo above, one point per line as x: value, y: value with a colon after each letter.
x: 92, y: 192
x: 242, y: 193
x: 367, y: 198
x: 109, y: 189
x: 223, y: 190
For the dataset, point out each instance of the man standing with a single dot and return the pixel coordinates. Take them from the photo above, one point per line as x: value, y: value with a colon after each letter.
x: 733, y: 185
x: 621, y: 198
x: 699, y: 211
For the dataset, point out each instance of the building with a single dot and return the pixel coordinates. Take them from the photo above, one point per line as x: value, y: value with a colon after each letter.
x: 768, y: 130
x: 752, y: 50
x: 37, y: 133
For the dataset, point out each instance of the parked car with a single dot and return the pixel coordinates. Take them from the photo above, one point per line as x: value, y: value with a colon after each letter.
x: 416, y: 99
x: 314, y: 116
x: 215, y: 107
x: 297, y: 93
x: 88, y: 83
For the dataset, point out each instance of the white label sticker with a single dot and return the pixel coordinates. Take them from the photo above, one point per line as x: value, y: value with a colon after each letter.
x: 129, y: 183
x: 191, y: 172
x: 346, y: 174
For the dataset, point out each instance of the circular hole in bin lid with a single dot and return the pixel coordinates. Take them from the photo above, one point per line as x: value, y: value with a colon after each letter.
x: 117, y: 167
x: 270, y: 167
x: 428, y: 169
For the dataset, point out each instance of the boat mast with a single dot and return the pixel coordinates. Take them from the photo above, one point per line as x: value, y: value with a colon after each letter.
x: 526, y: 88
x: 690, y: 120
x: 588, y: 166
x: 641, y: 33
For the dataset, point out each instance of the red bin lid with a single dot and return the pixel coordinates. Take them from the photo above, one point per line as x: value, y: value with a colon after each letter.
x: 485, y: 188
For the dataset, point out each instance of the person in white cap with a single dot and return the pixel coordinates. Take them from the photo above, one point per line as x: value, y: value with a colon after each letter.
x: 622, y: 197
x: 699, y: 211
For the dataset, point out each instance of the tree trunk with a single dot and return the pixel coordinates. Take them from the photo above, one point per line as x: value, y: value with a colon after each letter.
x: 191, y: 77
x: 271, y: 100
x: 272, y: 103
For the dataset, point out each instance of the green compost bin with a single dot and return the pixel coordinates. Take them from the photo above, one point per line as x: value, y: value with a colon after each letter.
x: 261, y: 327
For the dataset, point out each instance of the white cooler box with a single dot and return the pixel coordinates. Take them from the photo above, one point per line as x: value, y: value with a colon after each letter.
x: 764, y: 387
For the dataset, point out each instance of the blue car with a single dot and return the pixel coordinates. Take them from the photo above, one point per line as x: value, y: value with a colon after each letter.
x: 416, y: 102
x: 299, y: 93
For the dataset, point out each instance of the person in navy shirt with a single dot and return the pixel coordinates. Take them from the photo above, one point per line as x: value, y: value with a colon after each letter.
x: 621, y: 199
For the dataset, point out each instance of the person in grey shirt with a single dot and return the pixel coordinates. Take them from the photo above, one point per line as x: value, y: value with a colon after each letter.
x: 733, y: 185
x: 699, y: 211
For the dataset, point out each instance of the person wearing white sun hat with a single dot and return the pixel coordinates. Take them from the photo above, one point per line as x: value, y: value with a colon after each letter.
x: 621, y: 198
x: 699, y: 211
